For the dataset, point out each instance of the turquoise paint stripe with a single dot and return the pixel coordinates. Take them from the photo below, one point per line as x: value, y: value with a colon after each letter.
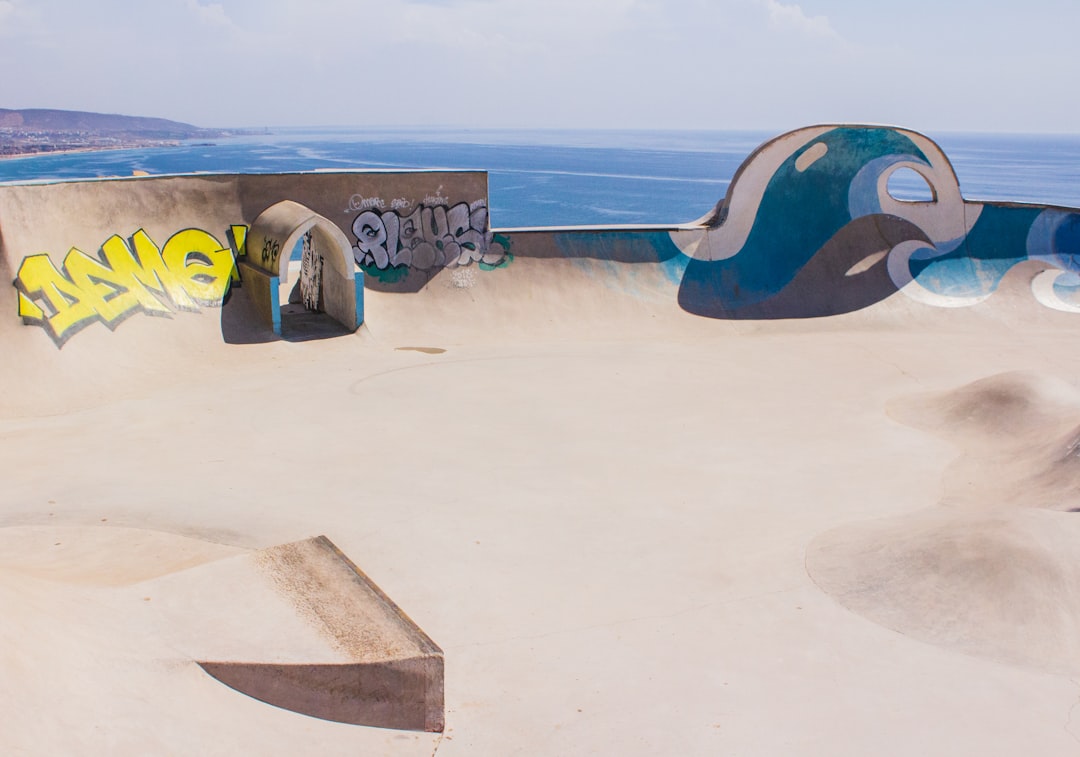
x: 359, y: 284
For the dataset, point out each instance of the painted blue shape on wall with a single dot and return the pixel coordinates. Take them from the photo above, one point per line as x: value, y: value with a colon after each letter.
x: 998, y: 242
x: 358, y: 282
x: 618, y: 246
x: 803, y: 207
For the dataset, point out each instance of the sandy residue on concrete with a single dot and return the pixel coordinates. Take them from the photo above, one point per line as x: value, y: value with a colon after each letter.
x: 994, y: 568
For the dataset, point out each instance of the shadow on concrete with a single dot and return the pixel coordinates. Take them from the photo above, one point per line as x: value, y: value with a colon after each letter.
x: 241, y: 322
x: 299, y: 324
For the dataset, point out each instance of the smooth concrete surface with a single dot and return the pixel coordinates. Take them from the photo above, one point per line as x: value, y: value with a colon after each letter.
x: 798, y: 478
x: 630, y: 529
x: 301, y: 627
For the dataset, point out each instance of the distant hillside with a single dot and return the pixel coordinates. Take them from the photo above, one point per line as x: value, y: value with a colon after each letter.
x: 71, y: 121
x: 38, y: 130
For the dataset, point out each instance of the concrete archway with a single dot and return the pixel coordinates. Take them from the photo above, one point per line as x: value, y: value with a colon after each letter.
x: 270, y: 242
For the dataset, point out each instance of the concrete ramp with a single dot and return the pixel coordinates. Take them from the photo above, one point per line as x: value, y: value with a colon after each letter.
x: 311, y: 633
x: 298, y: 626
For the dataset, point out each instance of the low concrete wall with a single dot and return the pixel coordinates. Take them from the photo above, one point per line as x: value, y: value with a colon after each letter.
x: 809, y: 228
x: 87, y: 252
x: 262, y: 289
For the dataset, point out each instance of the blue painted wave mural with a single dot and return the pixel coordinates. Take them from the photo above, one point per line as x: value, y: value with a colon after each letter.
x: 810, y: 228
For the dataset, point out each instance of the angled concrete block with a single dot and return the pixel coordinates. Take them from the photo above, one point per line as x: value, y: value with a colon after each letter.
x: 301, y: 627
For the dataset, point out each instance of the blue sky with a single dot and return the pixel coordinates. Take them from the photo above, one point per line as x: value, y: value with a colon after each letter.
x: 694, y: 64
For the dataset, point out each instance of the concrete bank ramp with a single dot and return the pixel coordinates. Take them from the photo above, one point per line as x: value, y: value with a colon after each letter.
x: 298, y: 626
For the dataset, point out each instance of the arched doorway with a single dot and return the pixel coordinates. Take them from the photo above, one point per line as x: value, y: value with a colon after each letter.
x: 329, y: 289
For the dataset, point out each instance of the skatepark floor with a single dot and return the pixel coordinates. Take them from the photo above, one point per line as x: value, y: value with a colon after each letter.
x: 650, y: 535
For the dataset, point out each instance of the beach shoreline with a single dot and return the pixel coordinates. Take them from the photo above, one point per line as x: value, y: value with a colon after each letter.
x: 86, y: 149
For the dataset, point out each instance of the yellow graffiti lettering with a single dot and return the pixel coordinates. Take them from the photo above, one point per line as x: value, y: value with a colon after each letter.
x: 145, y: 274
x: 192, y: 269
x: 28, y: 311
x: 104, y: 290
x: 64, y: 305
x: 238, y: 236
x: 203, y: 267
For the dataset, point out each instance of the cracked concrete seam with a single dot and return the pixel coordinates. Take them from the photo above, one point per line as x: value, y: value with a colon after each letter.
x: 1072, y: 712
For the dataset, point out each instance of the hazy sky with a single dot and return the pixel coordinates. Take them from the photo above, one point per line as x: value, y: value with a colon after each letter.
x: 987, y: 65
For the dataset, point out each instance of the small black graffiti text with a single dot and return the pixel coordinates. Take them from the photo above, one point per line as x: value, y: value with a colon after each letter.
x: 359, y: 202
x: 271, y: 249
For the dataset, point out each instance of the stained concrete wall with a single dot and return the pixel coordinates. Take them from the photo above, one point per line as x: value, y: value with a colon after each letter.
x: 809, y: 228
x: 90, y: 252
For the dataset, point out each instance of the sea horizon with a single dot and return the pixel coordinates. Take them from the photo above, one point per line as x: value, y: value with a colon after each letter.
x: 556, y: 177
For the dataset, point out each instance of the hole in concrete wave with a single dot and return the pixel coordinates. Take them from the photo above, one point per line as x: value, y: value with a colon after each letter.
x: 908, y: 185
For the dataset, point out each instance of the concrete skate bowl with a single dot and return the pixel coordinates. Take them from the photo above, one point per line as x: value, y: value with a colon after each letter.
x: 688, y: 488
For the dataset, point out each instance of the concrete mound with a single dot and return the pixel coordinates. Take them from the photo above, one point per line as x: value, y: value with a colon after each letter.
x: 994, y: 570
x: 1015, y: 402
x: 1018, y: 433
x: 1004, y: 586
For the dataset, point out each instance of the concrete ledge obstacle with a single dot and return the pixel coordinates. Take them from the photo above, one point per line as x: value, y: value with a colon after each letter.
x: 297, y: 626
x: 301, y: 627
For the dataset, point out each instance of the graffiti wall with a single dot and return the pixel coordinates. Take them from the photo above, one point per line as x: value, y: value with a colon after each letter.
x: 172, y: 244
x: 311, y: 265
x: 192, y: 269
x: 810, y: 228
x: 427, y: 236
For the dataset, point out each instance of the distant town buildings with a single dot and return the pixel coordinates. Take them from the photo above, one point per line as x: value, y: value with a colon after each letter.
x: 33, y: 141
x: 32, y: 132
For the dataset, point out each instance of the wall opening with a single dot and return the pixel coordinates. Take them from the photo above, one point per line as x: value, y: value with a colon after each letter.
x: 303, y: 282
x: 908, y: 185
x: 302, y: 296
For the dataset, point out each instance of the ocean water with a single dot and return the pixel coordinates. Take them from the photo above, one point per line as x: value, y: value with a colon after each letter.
x: 566, y: 177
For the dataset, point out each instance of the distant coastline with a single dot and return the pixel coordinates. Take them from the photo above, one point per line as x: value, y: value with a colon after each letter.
x: 6, y: 155
x: 36, y: 132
